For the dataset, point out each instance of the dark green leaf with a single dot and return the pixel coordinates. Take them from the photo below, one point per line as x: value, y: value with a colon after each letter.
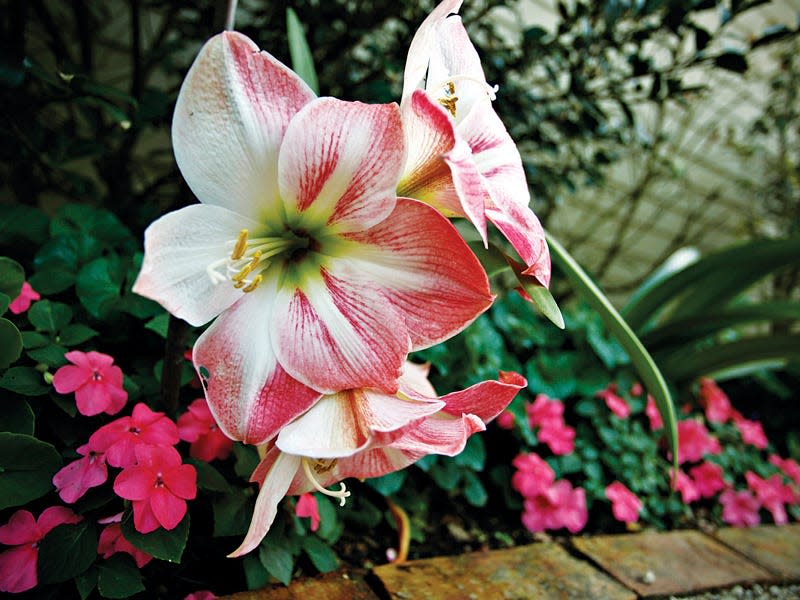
x: 19, y: 222
x: 12, y: 276
x: 232, y: 512
x: 98, y: 285
x: 159, y: 324
x: 474, y: 491
x: 67, y: 551
x: 246, y: 460
x: 49, y: 316
x: 388, y: 484
x: 302, y: 60
x: 10, y: 343
x: 26, y: 381
x: 163, y: 544
x: 254, y: 572
x: 208, y: 478
x: 446, y: 474
x: 119, y: 577
x: 320, y: 553
x: 277, y: 560
x: 17, y: 416
x: 5, y: 302
x: 27, y: 466
x: 52, y: 355
x: 31, y: 340
x: 473, y: 455
x: 75, y: 334
x: 86, y: 582
x: 52, y: 279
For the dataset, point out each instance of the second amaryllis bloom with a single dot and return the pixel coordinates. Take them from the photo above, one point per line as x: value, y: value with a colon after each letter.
x: 323, y: 279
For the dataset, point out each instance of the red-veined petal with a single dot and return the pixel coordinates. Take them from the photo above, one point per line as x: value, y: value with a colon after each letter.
x: 486, y: 399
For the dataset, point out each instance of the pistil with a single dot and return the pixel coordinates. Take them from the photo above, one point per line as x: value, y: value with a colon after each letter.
x: 324, y: 467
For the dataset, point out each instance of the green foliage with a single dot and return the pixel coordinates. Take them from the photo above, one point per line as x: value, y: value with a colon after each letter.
x: 118, y: 577
x: 67, y: 551
x: 163, y: 544
x: 26, y: 467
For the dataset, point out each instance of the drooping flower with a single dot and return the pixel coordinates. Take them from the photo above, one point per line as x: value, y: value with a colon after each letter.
x: 752, y: 432
x: 533, y: 475
x: 307, y: 507
x: 461, y: 159
x: 75, y: 479
x: 545, y: 412
x: 686, y: 486
x: 653, y: 414
x: 739, y: 509
x: 559, y: 437
x: 320, y: 277
x: 694, y: 441
x: 96, y: 381
x: 715, y: 402
x: 18, y: 564
x: 558, y: 506
x: 23, y: 302
x: 367, y: 433
x: 198, y: 427
x: 615, y: 403
x: 159, y: 486
x: 112, y: 541
x: 708, y: 479
x: 624, y: 503
x: 772, y: 493
x: 120, y: 438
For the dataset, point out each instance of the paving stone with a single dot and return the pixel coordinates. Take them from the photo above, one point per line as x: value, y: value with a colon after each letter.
x: 677, y: 562
x: 541, y: 571
x: 773, y: 547
x: 332, y: 586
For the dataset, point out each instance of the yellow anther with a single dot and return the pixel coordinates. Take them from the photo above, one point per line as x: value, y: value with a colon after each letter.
x: 239, y: 284
x: 450, y: 99
x: 253, y: 284
x: 248, y: 268
x: 241, y: 245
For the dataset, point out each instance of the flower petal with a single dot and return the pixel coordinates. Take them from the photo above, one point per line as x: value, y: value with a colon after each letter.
x: 249, y: 393
x: 134, y: 483
x: 167, y: 508
x: 340, y: 163
x: 20, y: 529
x: 92, y: 399
x: 54, y: 516
x: 69, y: 378
x: 439, y: 434
x: 486, y: 399
x: 180, y: 250
x: 425, y: 269
x: 230, y: 118
x: 143, y: 518
x: 18, y: 569
x: 182, y: 481
x: 273, y: 489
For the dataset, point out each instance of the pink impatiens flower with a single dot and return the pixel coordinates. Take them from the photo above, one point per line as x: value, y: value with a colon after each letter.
x: 615, y: 403
x: 77, y: 477
x: 739, y: 509
x: 624, y: 503
x: 653, y: 414
x: 23, y: 302
x: 686, y: 486
x: 545, y: 412
x: 708, y: 479
x: 788, y: 466
x: 112, y: 541
x: 319, y: 276
x: 715, y: 402
x: 198, y: 427
x: 119, y: 439
x: 694, y: 441
x: 558, y: 506
x: 772, y: 493
x: 752, y: 432
x: 18, y: 564
x: 559, y: 437
x: 201, y: 595
x: 533, y: 475
x: 159, y: 486
x: 96, y: 381
x: 307, y: 507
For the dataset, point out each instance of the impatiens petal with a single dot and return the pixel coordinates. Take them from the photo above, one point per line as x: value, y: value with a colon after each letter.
x: 182, y: 481
x: 230, y: 118
x: 340, y: 163
x: 77, y: 477
x: 92, y: 399
x: 307, y: 507
x: 18, y: 569
x: 69, y: 378
x: 20, y: 529
x: 180, y: 251
x: 249, y: 393
x: 168, y: 509
x: 135, y: 483
x: 97, y: 360
x: 143, y: 518
x: 275, y: 484
x: 54, y: 516
x: 425, y: 270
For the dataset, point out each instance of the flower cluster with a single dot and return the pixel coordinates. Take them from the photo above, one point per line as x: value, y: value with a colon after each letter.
x: 548, y: 416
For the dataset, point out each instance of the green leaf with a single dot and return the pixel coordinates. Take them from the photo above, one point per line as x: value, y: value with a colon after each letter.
x: 640, y: 358
x: 19, y: 222
x: 159, y: 324
x: 388, y: 484
x: 163, y: 544
x: 52, y: 279
x: 17, y: 416
x: 27, y: 466
x: 254, y: 572
x: 10, y: 343
x: 5, y: 302
x: 52, y: 355
x: 321, y: 555
x: 446, y: 474
x: 540, y: 296
x: 75, y: 334
x: 208, y: 478
x: 232, y: 512
x: 12, y: 276
x: 31, y: 339
x: 246, y: 460
x: 302, y: 60
x: 492, y: 258
x: 49, y: 316
x: 277, y: 560
x: 86, y: 582
x: 98, y: 285
x: 119, y: 577
x: 26, y: 381
x: 67, y: 551
x: 473, y: 455
x: 474, y: 491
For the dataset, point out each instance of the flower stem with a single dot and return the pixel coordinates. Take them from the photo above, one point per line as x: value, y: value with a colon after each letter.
x: 173, y: 364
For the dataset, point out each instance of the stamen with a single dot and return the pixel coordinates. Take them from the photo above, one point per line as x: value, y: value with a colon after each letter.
x: 253, y: 284
x: 449, y: 86
x: 341, y: 494
x: 248, y: 268
x: 241, y: 245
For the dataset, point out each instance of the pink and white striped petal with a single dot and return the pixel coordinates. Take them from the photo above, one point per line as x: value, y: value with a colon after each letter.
x: 522, y: 228
x: 339, y: 165
x: 250, y: 395
x: 424, y: 269
x: 230, y: 118
x: 180, y: 249
x: 338, y: 331
x: 486, y: 399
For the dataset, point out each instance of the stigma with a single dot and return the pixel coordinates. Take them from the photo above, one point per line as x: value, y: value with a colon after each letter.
x: 448, y: 98
x: 320, y: 467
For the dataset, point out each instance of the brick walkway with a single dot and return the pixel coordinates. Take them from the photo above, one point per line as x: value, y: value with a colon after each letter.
x: 624, y: 567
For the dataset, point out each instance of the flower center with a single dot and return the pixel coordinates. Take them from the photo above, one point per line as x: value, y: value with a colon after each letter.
x: 159, y: 480
x: 445, y: 91
x: 250, y: 257
x: 320, y: 467
x: 96, y: 376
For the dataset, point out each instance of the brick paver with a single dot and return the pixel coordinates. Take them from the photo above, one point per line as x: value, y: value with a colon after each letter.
x: 777, y: 548
x: 542, y: 571
x: 677, y: 562
x: 339, y: 585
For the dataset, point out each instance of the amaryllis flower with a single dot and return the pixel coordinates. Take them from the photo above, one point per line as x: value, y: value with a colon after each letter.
x: 159, y: 486
x: 615, y: 403
x: 24, y: 533
x: 120, y: 438
x: 23, y: 302
x: 307, y: 507
x: 198, y: 427
x: 624, y: 503
x: 74, y: 480
x: 368, y: 433
x: 708, y: 479
x: 96, y: 381
x: 533, y: 475
x: 772, y: 493
x: 461, y: 159
x: 558, y: 506
x: 739, y: 509
x: 752, y: 432
x: 653, y: 414
x: 323, y: 279
x: 715, y: 402
x: 694, y: 441
x: 112, y: 541
x: 559, y: 437
x: 686, y: 486
x: 545, y: 412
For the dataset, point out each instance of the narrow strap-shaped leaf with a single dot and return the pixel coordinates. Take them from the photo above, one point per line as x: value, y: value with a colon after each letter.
x: 302, y: 61
x: 640, y: 357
